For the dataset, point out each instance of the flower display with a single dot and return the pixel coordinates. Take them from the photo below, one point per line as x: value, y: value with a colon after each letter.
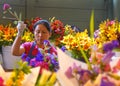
x: 97, y: 52
x: 8, y: 34
x: 8, y: 9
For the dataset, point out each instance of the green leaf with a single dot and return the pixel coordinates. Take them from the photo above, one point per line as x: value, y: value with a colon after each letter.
x: 20, y: 16
x: 92, y: 24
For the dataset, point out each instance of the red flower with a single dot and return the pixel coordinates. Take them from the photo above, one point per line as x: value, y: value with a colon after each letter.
x: 31, y: 22
x: 35, y: 51
x: 107, y: 67
x: 43, y: 65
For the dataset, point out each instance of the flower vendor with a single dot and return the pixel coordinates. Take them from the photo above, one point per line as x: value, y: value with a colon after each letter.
x: 39, y: 52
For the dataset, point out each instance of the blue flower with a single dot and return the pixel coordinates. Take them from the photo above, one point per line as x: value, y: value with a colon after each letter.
x: 63, y: 48
x: 39, y: 57
x: 28, y: 59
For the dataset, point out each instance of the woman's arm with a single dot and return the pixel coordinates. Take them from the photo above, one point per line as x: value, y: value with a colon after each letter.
x: 16, y: 49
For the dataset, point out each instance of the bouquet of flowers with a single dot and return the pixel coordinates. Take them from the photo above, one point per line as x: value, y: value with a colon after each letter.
x: 16, y: 77
x: 103, y: 72
x: 57, y: 31
x: 45, y: 59
x: 108, y: 30
x: 75, y: 42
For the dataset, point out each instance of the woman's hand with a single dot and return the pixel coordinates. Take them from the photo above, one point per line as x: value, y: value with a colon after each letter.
x: 21, y: 26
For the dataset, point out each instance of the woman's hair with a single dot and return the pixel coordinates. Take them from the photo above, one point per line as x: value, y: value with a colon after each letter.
x: 44, y: 22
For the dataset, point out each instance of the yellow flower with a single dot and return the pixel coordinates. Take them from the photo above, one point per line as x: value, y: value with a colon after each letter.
x: 44, y: 77
x: 52, y: 78
x: 9, y: 82
x: 108, y: 30
x: 21, y: 75
x: 28, y: 36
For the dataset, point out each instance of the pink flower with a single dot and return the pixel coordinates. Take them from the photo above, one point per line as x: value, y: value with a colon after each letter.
x: 6, y: 7
x: 1, y: 82
x: 68, y: 72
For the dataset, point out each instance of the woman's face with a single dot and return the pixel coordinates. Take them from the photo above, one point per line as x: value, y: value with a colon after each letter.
x: 41, y: 33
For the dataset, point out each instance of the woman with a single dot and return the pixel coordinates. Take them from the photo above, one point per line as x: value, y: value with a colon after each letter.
x: 39, y: 52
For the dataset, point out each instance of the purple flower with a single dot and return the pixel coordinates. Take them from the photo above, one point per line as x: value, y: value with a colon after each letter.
x: 76, y: 68
x: 28, y: 59
x: 106, y: 82
x: 110, y: 46
x: 24, y: 56
x: 33, y: 62
x: 96, y: 69
x: 83, y: 71
x: 55, y: 63
x: 115, y: 43
x: 6, y: 7
x: 96, y: 33
x: 106, y: 59
x: 85, y: 75
x: 63, y: 48
x: 46, y: 43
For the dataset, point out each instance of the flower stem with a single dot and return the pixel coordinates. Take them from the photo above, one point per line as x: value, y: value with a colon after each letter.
x: 13, y: 14
x: 86, y: 59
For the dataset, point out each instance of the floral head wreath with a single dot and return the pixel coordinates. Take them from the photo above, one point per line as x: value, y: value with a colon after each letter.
x: 30, y: 23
